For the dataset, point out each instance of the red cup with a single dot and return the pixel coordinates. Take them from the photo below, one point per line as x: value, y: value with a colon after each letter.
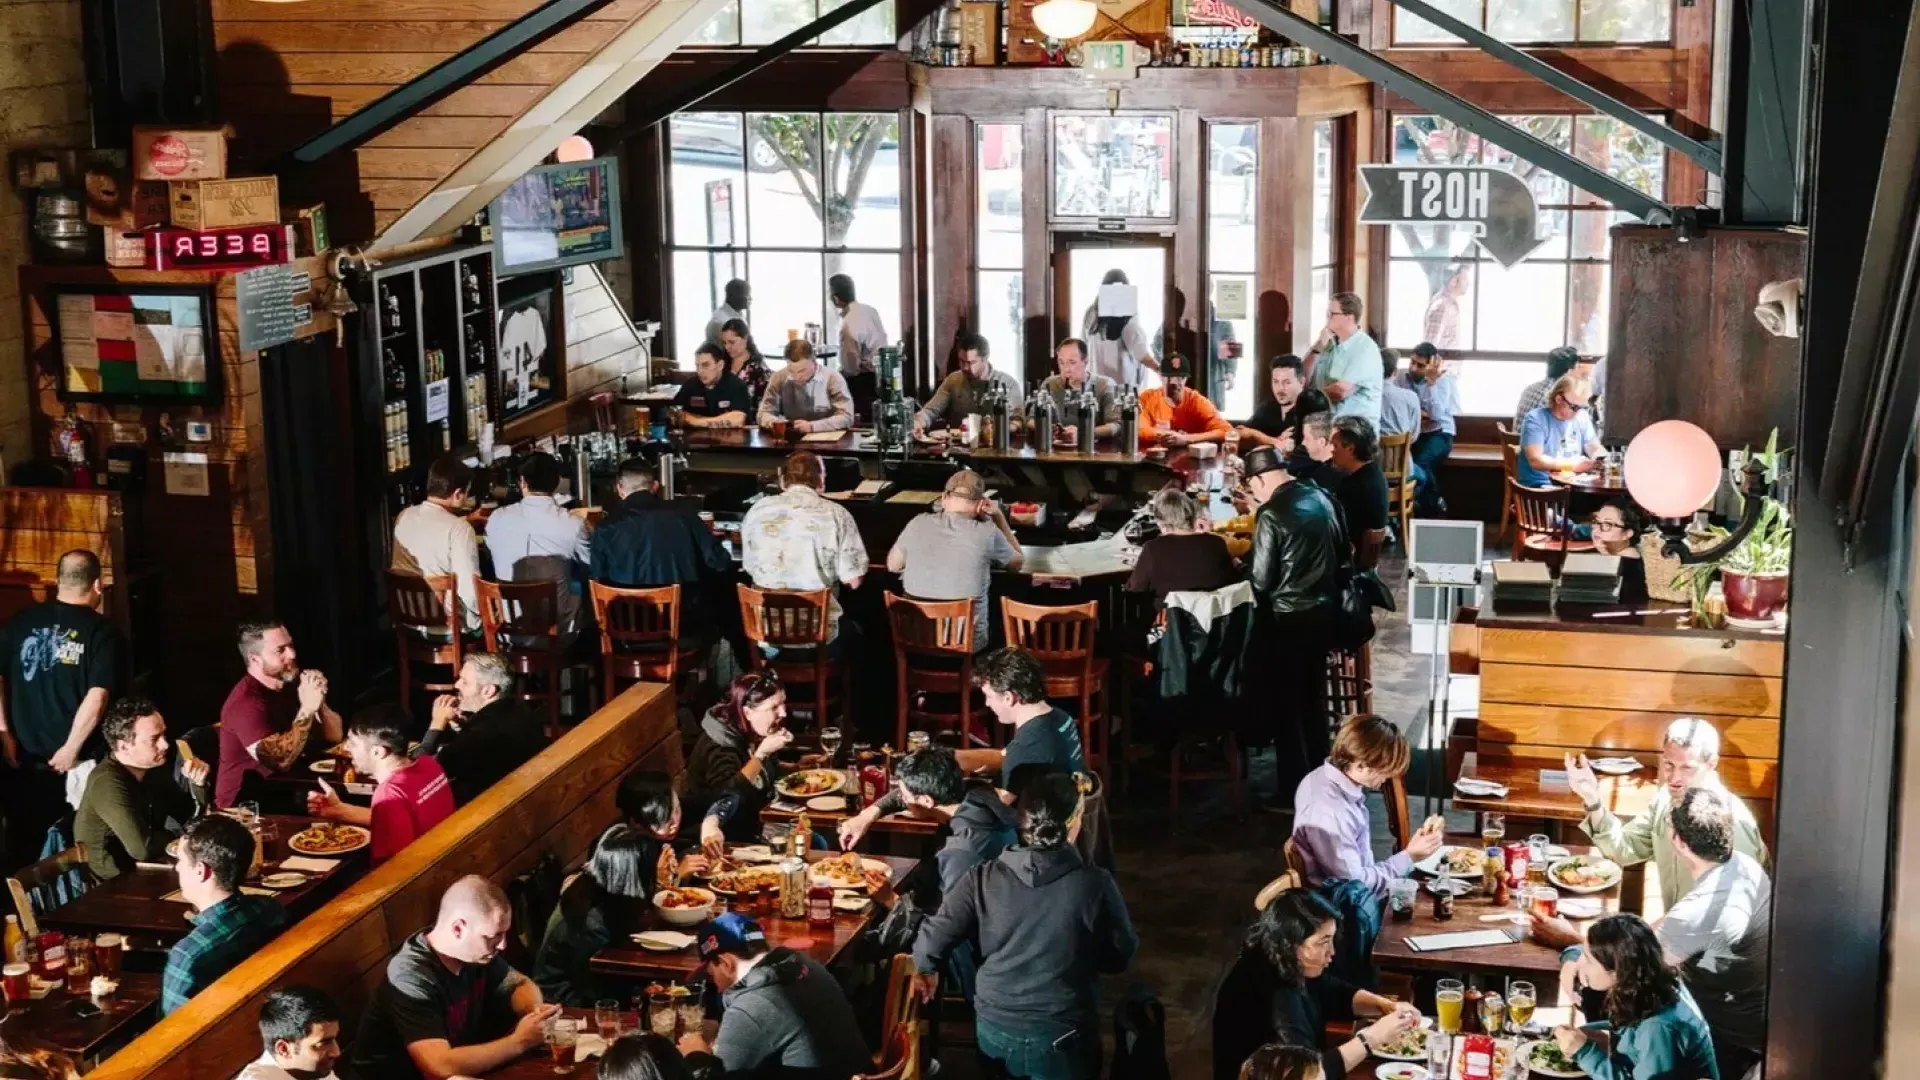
x: 17, y: 980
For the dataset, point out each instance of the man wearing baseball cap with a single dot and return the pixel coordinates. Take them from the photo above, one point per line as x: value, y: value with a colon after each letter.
x: 785, y: 1015
x: 951, y: 555
x: 1174, y: 414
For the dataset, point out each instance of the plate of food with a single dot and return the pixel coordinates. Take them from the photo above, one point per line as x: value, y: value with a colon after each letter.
x: 284, y: 880
x: 807, y: 783
x: 850, y: 871
x: 685, y: 906
x: 325, y: 765
x: 1584, y: 874
x: 1615, y: 766
x: 329, y: 838
x: 1543, y: 1056
x: 1409, y: 1045
x: 1402, y: 1070
x: 1455, y: 861
x: 744, y: 879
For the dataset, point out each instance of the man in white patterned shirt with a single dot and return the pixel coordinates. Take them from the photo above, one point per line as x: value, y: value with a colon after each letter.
x: 801, y: 540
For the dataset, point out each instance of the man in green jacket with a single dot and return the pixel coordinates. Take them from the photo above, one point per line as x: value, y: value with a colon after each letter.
x: 133, y: 805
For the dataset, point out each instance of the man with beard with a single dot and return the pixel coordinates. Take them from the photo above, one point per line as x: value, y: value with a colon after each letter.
x: 267, y: 719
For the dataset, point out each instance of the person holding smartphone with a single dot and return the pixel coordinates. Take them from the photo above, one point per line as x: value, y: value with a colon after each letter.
x: 951, y: 555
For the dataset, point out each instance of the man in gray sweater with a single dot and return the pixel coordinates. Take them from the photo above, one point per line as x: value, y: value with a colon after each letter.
x: 785, y: 1015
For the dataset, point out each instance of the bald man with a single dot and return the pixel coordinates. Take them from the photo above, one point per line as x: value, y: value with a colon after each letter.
x: 450, y: 1004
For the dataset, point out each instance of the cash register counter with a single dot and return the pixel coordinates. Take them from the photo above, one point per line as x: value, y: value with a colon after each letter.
x: 1608, y: 681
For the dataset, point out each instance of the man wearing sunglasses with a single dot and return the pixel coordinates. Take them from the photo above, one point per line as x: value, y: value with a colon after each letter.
x: 1559, y: 436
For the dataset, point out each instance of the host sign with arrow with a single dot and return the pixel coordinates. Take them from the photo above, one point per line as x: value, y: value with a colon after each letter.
x: 1498, y: 205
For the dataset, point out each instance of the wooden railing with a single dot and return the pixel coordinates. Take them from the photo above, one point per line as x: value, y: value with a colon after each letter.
x: 558, y: 802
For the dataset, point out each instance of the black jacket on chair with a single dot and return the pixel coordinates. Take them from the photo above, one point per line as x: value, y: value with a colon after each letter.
x: 1207, y: 650
x: 1298, y: 547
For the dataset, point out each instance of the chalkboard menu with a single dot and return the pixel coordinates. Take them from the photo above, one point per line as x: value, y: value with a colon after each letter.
x: 269, y: 313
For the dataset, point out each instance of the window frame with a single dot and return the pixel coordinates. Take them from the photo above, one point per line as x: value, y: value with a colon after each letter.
x: 1015, y: 363
x: 1394, y: 15
x: 1212, y: 268
x: 1087, y: 223
x: 739, y: 33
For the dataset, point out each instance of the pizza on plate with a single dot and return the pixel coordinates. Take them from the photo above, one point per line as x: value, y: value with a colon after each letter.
x: 328, y: 838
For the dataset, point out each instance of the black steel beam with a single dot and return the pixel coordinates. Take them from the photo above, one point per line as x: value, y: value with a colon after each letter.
x: 1706, y: 153
x: 1277, y: 18
x: 462, y: 68
x: 657, y: 111
x: 1768, y: 62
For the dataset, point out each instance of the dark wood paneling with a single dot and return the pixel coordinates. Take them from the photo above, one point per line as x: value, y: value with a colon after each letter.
x: 1652, y: 78
x: 1682, y: 320
x: 983, y: 92
x: 951, y: 225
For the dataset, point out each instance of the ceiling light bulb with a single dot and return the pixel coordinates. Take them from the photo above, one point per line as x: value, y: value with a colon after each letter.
x: 1064, y: 19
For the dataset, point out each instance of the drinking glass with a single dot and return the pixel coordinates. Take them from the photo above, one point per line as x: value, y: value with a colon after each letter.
x: 1402, y: 895
x: 1520, y: 1000
x: 830, y: 743
x: 606, y: 1018
x: 1493, y: 829
x: 79, y: 965
x: 1546, y: 901
x: 561, y: 1034
x: 1537, y: 858
x: 660, y: 1014
x: 692, y: 1011
x: 1448, y: 997
x: 1493, y: 1014
x: 249, y: 813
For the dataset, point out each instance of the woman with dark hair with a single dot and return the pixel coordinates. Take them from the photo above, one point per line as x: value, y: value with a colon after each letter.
x: 1284, y: 1061
x: 733, y: 756
x: 744, y: 360
x: 1280, y: 990
x: 643, y: 1056
x: 1047, y: 925
x: 607, y: 900
x: 1658, y: 1032
x: 1117, y: 345
x: 1616, y: 529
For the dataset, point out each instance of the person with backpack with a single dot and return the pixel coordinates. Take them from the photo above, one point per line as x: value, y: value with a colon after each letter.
x: 1047, y: 926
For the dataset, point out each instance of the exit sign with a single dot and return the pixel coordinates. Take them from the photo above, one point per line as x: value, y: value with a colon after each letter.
x: 241, y: 248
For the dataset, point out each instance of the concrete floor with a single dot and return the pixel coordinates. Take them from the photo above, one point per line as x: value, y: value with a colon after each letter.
x: 1190, y: 883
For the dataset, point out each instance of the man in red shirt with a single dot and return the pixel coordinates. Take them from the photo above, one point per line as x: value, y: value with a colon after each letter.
x: 1173, y: 415
x: 265, y: 724
x: 411, y: 796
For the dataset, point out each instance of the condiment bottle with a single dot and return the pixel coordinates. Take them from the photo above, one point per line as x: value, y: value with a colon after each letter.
x: 15, y: 941
x: 1470, y: 1012
x: 1442, y: 903
x: 801, y: 837
x: 1501, y: 897
x: 820, y: 905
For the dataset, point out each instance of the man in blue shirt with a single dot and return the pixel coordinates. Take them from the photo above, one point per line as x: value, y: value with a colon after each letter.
x: 1345, y: 362
x: 537, y: 539
x: 1439, y: 392
x: 1559, y: 436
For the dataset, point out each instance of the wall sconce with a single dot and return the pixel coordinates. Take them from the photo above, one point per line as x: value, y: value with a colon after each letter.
x: 1063, y: 20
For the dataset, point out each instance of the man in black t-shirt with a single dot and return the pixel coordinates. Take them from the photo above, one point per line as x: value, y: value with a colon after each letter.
x: 714, y: 397
x: 60, y: 661
x: 1355, y: 480
x: 450, y: 1004
x: 1015, y: 688
x: 1277, y: 422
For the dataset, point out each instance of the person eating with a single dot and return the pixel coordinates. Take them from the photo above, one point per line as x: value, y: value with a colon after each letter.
x: 410, y: 797
x: 784, y: 1014
x: 607, y: 902
x: 1657, y: 1032
x: 1174, y: 415
x: 961, y: 394
x: 733, y: 756
x: 1689, y: 755
x: 1330, y: 823
x: 1281, y: 989
x: 806, y: 396
x: 1187, y: 556
x: 714, y: 397
x: 133, y: 805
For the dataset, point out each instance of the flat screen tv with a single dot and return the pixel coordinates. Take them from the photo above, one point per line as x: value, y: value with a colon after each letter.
x: 558, y: 215
x: 139, y: 343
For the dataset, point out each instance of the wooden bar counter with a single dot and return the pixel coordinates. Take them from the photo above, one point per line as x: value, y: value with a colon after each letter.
x: 1606, y: 681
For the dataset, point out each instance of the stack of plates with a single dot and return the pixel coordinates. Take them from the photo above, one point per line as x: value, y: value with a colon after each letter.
x: 1590, y: 578
x: 1522, y: 584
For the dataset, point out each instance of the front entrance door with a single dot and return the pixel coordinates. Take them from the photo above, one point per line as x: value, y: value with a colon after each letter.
x: 1080, y: 262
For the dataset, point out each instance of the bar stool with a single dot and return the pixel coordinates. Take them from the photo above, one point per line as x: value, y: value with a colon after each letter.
x: 797, y: 624
x: 1546, y: 524
x: 425, y: 612
x: 932, y: 654
x: 1062, y: 639
x: 1396, y: 462
x: 640, y: 637
x: 521, y: 625
x: 1366, y: 548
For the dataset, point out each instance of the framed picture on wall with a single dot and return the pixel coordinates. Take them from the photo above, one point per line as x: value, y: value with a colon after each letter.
x: 147, y: 343
x: 531, y: 343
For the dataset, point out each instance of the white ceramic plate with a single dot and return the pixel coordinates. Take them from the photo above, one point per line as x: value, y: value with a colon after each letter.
x: 663, y: 940
x: 828, y: 804
x: 1426, y: 1024
x: 1402, y: 1070
x: 1436, y: 863
x: 285, y: 880
x: 324, y: 765
x: 1615, y: 766
x: 1553, y: 879
x: 1524, y: 1054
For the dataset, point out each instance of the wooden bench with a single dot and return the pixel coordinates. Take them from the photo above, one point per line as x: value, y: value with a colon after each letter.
x: 557, y: 803
x: 1474, y: 455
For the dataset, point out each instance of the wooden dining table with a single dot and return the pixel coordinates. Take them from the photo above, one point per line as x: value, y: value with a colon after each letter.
x: 140, y: 903
x: 1523, y: 957
x: 824, y: 944
x: 51, y: 1022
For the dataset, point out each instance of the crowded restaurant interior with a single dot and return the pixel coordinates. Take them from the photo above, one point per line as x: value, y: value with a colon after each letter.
x: 1049, y: 539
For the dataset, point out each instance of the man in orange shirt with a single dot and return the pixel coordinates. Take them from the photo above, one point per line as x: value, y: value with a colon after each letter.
x: 1172, y: 415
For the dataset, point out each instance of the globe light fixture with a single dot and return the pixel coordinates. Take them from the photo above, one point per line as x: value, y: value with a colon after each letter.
x: 1062, y: 20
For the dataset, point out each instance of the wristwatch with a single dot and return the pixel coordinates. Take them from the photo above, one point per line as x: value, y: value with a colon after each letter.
x: 1361, y: 1038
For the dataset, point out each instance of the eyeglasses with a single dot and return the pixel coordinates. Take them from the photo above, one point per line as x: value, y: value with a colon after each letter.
x: 1603, y: 523
x: 1562, y: 399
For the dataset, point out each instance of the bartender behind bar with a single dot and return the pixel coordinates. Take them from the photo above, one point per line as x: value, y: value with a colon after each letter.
x: 714, y: 397
x: 806, y: 395
x: 960, y: 393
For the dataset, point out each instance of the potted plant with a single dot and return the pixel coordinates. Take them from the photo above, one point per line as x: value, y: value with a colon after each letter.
x: 1753, y: 575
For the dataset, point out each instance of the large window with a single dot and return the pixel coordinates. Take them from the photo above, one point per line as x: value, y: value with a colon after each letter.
x: 762, y: 22
x: 1326, y: 253
x: 784, y: 200
x: 998, y: 246
x: 1442, y: 288
x: 1233, y: 174
x: 1544, y: 21
x: 1108, y: 165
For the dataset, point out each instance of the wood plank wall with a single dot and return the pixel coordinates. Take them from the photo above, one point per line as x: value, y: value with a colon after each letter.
x: 287, y: 71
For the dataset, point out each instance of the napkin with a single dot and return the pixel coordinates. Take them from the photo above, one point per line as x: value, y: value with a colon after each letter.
x: 751, y: 853
x: 1581, y: 908
x: 587, y: 1047
x: 254, y: 890
x: 306, y: 865
x: 1468, y: 785
x: 669, y: 938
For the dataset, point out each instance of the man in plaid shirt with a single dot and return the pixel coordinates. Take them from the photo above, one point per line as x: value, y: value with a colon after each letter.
x: 212, y: 862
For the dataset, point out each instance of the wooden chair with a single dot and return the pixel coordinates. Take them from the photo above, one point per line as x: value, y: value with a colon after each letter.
x: 639, y: 636
x: 1399, y: 817
x: 33, y: 888
x: 1350, y: 682
x: 1544, y: 517
x: 1062, y: 639
x: 1396, y: 461
x: 425, y: 612
x: 900, y: 1015
x: 1509, y: 474
x: 1271, y: 890
x: 797, y: 624
x: 1366, y: 548
x: 521, y: 625
x: 932, y: 654
x: 1296, y: 862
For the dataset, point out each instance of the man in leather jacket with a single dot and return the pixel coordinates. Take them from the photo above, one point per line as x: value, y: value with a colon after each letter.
x: 1299, y: 545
